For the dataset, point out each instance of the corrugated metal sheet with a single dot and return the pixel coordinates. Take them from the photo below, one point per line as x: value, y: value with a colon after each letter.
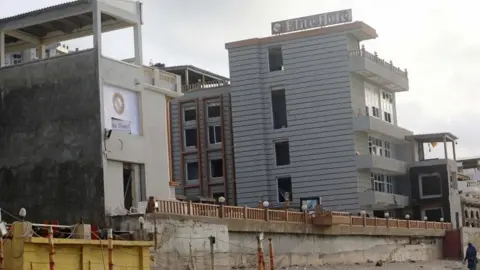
x: 38, y: 11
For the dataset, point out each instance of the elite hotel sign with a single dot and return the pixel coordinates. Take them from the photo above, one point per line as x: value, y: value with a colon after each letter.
x: 320, y: 20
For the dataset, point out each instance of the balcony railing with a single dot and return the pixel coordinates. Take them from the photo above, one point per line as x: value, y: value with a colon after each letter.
x: 324, y: 218
x: 204, y: 85
x: 374, y: 58
x: 160, y: 78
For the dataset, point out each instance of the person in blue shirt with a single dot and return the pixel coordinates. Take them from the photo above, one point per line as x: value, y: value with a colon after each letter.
x: 471, y: 257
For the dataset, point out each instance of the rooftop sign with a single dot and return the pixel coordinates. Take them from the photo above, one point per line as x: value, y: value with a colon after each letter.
x: 304, y: 23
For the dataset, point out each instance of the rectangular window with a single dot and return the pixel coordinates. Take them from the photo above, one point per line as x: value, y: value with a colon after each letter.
x: 192, y: 172
x: 216, y: 168
x: 279, y: 109
x: 284, y: 186
x: 387, y: 149
x: 190, y: 137
x: 282, y: 153
x: 382, y: 183
x: 378, y: 147
x: 372, y: 100
x: 275, y: 58
x: 375, y: 146
x: 387, y: 106
x: 433, y: 214
x: 430, y: 185
x: 214, y: 134
x: 189, y: 114
x: 17, y: 59
x: 213, y: 111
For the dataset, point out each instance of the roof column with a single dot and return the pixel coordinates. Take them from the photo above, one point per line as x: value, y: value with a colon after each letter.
x: 2, y: 48
x: 137, y: 36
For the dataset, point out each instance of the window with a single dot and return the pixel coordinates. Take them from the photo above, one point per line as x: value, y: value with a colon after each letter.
x: 279, y: 109
x: 378, y: 147
x: 192, y: 172
x: 275, y: 58
x: 430, y: 185
x: 387, y: 106
x: 213, y: 111
x: 375, y: 146
x: 284, y: 186
x: 372, y: 100
x: 214, y: 134
x: 433, y: 214
x: 382, y: 183
x: 17, y: 58
x: 466, y: 213
x: 189, y: 114
x: 282, y: 153
x: 387, y: 149
x: 216, y: 168
x: 190, y: 137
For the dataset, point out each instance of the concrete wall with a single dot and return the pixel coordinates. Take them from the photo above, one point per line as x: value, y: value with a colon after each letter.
x: 319, y: 114
x: 50, y: 140
x: 150, y: 148
x: 207, y: 185
x: 183, y: 241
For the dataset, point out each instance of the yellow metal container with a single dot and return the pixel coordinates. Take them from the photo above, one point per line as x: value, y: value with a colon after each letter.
x: 23, y: 252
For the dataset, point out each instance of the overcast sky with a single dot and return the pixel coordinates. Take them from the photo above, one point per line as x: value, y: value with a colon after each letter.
x: 437, y: 41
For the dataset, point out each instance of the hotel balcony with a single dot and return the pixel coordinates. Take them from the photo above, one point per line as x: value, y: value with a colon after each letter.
x: 370, y: 124
x: 382, y: 200
x: 374, y: 68
x: 381, y: 164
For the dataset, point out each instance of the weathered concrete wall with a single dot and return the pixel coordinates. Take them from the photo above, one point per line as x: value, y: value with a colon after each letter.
x: 185, y: 242
x: 181, y: 241
x: 50, y: 140
x: 469, y: 235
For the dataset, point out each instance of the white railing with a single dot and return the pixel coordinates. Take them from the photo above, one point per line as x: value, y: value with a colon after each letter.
x: 160, y: 78
x: 204, y: 85
x: 374, y: 58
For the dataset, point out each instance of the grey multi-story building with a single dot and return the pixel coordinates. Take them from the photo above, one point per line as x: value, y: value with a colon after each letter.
x: 201, y: 138
x: 314, y: 115
x: 313, y: 119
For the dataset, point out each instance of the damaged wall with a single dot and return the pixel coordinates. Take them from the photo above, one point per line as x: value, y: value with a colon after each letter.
x: 184, y: 241
x: 50, y: 140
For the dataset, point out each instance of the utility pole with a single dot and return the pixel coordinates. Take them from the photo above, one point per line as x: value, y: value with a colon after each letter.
x: 212, y: 253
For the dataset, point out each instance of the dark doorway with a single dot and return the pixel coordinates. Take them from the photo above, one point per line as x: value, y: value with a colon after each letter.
x: 128, y: 188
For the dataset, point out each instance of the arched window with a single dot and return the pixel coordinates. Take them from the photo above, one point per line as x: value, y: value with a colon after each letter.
x: 466, y: 213
x: 477, y: 215
x: 471, y: 214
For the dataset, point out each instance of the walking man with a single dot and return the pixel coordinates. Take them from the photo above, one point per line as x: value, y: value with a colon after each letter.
x: 471, y: 257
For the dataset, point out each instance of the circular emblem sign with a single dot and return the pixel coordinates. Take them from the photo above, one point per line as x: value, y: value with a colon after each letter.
x: 118, y: 103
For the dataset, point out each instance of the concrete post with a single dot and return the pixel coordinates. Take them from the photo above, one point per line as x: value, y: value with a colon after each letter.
x: 445, y: 146
x: 137, y: 34
x: 2, y: 48
x: 454, y: 151
x: 41, y: 51
x: 97, y: 26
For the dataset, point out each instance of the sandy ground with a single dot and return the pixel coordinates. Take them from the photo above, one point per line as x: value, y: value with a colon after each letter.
x: 431, y: 265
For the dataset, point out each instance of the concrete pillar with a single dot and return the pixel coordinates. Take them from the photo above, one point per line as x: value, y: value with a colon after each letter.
x: 41, y: 51
x: 187, y: 82
x: 2, y: 48
x: 454, y: 151
x: 445, y: 146
x: 137, y: 35
x: 97, y: 26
